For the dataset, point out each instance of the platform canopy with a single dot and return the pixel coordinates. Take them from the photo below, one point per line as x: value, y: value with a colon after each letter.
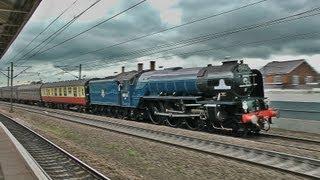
x: 14, y: 14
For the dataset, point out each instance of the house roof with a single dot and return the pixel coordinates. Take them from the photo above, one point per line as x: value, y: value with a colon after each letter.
x: 281, y: 67
x: 13, y: 16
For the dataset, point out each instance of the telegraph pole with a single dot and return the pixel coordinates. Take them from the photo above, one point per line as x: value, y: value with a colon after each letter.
x: 8, y: 76
x: 80, y: 69
x: 11, y: 96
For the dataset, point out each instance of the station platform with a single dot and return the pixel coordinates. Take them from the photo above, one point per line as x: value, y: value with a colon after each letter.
x: 15, y: 161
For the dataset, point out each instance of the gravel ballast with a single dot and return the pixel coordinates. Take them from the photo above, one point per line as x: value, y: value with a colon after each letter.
x: 124, y: 157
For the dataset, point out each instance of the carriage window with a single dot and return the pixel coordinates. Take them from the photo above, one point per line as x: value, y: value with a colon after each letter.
x: 79, y: 90
x: 69, y: 91
x: 83, y: 93
x: 65, y: 91
x: 75, y: 91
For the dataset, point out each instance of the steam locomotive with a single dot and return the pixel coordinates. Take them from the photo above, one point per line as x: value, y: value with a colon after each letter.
x: 229, y: 96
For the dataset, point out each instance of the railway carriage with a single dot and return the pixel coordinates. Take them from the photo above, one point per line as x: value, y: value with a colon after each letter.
x: 229, y: 96
x: 65, y: 94
x: 29, y: 94
x: 6, y: 93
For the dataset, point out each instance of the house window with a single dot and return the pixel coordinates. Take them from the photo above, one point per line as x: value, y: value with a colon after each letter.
x: 295, y: 80
x: 309, y: 79
x: 277, y: 79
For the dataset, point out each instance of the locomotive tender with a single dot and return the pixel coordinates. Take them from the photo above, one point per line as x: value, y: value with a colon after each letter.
x: 229, y: 96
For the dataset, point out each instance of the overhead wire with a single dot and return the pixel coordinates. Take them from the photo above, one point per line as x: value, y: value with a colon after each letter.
x: 45, y: 29
x: 92, y: 27
x: 63, y: 29
x: 211, y: 36
x: 187, y: 42
x: 203, y: 38
x: 167, y: 29
x: 234, y: 44
x: 59, y: 31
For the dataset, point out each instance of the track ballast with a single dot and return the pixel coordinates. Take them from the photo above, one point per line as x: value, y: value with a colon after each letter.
x: 55, y: 161
x: 303, y: 166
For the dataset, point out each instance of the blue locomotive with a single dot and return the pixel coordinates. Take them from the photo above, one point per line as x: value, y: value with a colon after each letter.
x: 229, y: 96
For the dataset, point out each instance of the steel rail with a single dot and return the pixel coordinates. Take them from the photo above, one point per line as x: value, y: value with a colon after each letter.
x: 297, y: 110
x: 264, y: 138
x: 305, y: 140
x: 303, y: 166
x: 252, y: 138
x: 266, y: 135
x: 55, y: 161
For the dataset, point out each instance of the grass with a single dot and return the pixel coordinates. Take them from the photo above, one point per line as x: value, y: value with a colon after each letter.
x: 132, y: 152
x: 61, y: 132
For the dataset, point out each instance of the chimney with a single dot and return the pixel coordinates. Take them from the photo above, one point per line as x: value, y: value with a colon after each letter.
x: 152, y: 65
x: 140, y: 66
x: 122, y: 69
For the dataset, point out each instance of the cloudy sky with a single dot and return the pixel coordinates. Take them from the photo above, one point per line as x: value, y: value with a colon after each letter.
x: 181, y: 46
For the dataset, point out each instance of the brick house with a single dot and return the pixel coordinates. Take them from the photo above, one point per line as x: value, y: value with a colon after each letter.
x: 289, y: 74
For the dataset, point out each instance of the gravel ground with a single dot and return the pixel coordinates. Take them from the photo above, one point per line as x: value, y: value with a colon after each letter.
x: 296, y: 134
x: 253, y: 142
x: 124, y: 157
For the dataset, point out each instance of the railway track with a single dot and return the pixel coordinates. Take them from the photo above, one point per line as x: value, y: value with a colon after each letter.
x: 287, y: 141
x: 56, y: 162
x: 299, y: 165
x: 276, y: 139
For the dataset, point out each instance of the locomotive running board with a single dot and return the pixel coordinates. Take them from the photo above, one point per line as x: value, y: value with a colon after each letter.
x: 171, y: 97
x: 176, y: 115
